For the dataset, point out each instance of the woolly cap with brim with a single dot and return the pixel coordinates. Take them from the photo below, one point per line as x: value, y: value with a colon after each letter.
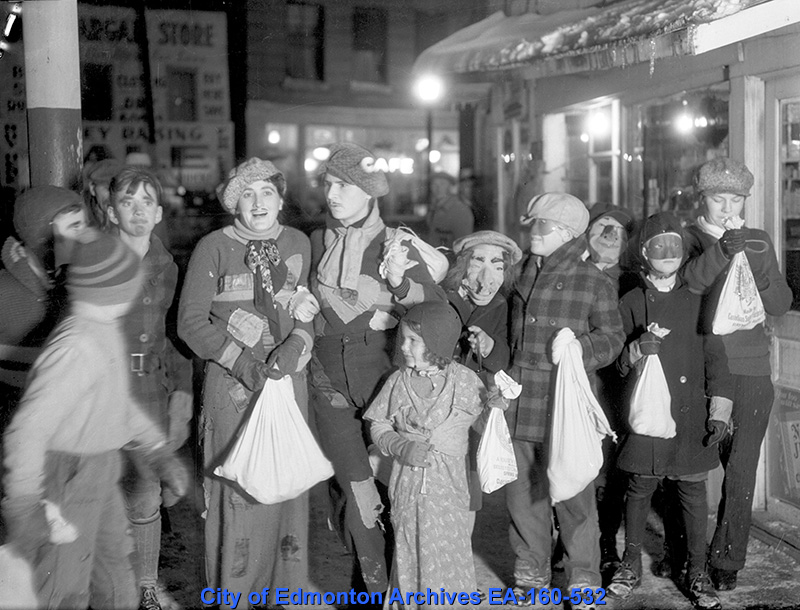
x: 103, y: 270
x: 103, y: 171
x: 659, y: 224
x: 36, y: 208
x: 491, y: 238
x: 724, y: 175
x: 621, y: 215
x: 440, y: 326
x: 356, y: 165
x: 243, y: 175
x: 565, y: 209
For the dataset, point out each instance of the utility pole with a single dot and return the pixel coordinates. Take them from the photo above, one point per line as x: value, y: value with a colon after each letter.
x: 53, y: 92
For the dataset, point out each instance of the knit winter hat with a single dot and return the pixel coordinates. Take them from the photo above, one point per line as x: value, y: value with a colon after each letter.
x: 356, y: 165
x: 492, y: 238
x: 36, y: 208
x: 724, y: 175
x: 658, y: 224
x: 621, y: 215
x: 103, y: 271
x: 440, y: 326
x: 562, y: 208
x: 243, y: 175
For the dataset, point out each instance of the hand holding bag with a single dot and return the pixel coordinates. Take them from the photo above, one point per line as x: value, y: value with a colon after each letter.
x: 497, y: 464
x: 275, y: 458
x: 578, y: 427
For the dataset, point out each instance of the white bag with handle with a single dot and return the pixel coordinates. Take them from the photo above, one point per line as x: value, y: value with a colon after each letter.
x: 578, y: 426
x: 740, y: 306
x: 275, y: 458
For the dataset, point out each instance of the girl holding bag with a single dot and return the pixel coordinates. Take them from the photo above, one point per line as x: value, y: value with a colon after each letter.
x: 421, y: 417
x: 692, y: 364
x: 245, y: 310
x: 724, y: 185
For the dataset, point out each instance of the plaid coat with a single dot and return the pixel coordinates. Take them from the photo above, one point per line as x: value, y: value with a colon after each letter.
x: 567, y: 291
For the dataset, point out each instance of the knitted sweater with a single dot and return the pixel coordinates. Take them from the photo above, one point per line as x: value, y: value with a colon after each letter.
x: 216, y: 308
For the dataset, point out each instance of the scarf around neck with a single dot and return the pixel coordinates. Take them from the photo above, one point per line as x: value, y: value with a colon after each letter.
x: 340, y: 266
x: 264, y: 259
x: 709, y: 228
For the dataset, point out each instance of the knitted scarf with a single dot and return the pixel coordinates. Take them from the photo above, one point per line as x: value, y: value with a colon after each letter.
x: 340, y: 266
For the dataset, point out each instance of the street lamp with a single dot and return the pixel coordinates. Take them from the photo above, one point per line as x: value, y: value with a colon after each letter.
x: 429, y: 89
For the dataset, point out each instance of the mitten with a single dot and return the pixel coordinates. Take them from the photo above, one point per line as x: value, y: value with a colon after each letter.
x: 565, y: 336
x: 284, y: 358
x: 716, y: 432
x: 496, y: 400
x: 172, y: 472
x: 250, y: 372
x: 408, y: 452
x: 26, y: 525
x: 649, y: 344
x: 732, y: 242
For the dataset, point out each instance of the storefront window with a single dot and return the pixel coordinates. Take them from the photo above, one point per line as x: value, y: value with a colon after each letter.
x: 790, y: 195
x: 669, y: 139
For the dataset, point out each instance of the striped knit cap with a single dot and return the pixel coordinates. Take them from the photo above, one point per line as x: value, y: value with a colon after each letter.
x: 243, y: 175
x: 103, y: 271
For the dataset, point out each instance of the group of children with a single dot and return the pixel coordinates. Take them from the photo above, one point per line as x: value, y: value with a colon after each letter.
x: 88, y: 395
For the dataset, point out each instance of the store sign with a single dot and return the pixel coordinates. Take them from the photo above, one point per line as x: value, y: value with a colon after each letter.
x: 788, y: 401
x: 197, y: 153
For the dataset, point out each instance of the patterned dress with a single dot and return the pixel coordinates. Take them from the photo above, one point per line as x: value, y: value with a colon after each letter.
x: 430, y: 506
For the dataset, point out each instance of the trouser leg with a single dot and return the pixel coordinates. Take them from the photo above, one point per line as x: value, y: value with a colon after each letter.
x: 637, y: 507
x: 528, y: 503
x: 739, y: 454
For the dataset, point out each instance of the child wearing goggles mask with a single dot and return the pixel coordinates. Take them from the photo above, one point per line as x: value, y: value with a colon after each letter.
x: 693, y: 363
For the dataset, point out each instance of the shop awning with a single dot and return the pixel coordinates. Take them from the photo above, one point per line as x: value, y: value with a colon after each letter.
x: 622, y: 34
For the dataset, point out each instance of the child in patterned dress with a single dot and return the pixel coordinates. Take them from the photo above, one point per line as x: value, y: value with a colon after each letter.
x: 421, y: 417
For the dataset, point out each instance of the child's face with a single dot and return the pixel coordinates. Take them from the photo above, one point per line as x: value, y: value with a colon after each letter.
x: 412, y: 347
x: 547, y: 237
x: 259, y: 205
x: 722, y: 206
x: 664, y: 254
x: 607, y: 239
x: 136, y: 214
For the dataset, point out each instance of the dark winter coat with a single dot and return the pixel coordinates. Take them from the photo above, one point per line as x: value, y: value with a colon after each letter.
x: 694, y: 366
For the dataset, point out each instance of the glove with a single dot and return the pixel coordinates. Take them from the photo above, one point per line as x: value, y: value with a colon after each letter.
x: 758, y: 257
x: 172, y: 472
x: 716, y: 432
x: 26, y: 525
x: 732, y: 242
x: 408, y: 452
x: 649, y: 344
x: 496, y: 400
x: 284, y: 358
x: 250, y: 372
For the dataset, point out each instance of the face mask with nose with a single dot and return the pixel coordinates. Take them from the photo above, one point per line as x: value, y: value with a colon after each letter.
x: 484, y: 274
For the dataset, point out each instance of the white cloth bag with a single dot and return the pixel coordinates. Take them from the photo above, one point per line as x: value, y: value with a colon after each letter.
x: 497, y: 464
x: 16, y: 581
x: 578, y: 428
x: 650, y: 412
x: 275, y: 458
x: 740, y: 305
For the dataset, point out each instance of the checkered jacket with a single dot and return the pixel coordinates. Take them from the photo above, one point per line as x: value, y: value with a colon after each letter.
x: 567, y: 291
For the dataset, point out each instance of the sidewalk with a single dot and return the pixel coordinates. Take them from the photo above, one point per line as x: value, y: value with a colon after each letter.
x: 771, y: 579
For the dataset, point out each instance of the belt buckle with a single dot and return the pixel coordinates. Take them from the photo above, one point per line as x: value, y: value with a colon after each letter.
x: 137, y: 364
